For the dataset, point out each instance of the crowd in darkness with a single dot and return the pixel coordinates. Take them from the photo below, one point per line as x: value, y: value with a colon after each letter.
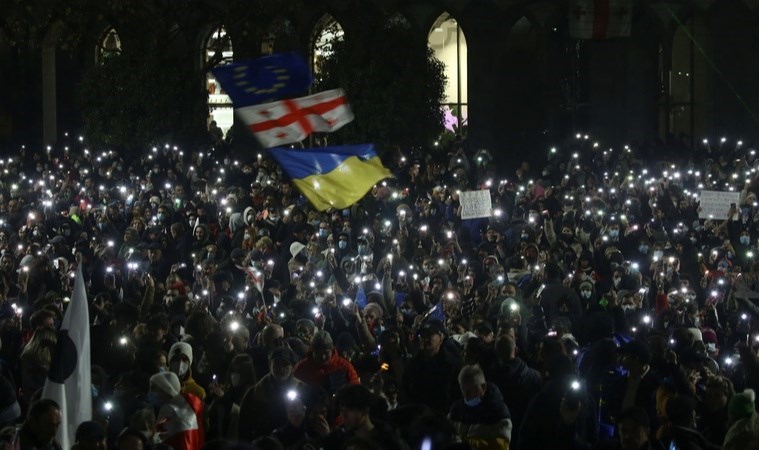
x: 594, y: 308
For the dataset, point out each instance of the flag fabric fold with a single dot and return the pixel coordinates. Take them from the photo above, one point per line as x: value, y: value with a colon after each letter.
x: 264, y: 79
x: 293, y: 120
x: 68, y: 382
x: 600, y: 19
x: 332, y: 177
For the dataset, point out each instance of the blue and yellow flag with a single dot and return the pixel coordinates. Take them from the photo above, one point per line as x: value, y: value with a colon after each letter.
x: 332, y: 177
x: 264, y: 79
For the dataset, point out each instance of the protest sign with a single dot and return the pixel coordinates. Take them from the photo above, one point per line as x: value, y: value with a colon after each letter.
x: 475, y: 204
x: 715, y: 204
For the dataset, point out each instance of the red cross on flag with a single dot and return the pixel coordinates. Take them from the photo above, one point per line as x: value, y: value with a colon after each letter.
x: 293, y: 120
x: 600, y: 19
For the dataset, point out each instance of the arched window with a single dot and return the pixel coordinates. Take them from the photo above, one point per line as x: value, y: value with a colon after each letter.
x: 326, y: 32
x: 218, y: 51
x: 449, y: 46
x: 108, y: 46
x: 687, y: 81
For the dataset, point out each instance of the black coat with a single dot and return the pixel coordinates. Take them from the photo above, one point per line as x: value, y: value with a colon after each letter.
x: 433, y: 382
x: 543, y: 428
x: 518, y: 384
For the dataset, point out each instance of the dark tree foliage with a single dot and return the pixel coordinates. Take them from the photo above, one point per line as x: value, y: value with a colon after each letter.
x: 395, y: 87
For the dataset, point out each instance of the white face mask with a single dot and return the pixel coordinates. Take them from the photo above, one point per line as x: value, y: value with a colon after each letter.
x: 235, y: 379
x: 180, y: 368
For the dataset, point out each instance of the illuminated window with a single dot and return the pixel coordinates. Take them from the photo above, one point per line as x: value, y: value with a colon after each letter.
x: 449, y: 46
x: 108, y: 47
x: 218, y: 51
x: 326, y: 32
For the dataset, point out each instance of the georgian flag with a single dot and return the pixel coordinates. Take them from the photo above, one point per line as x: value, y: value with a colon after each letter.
x: 68, y: 382
x: 293, y: 120
x: 600, y: 19
x: 180, y: 423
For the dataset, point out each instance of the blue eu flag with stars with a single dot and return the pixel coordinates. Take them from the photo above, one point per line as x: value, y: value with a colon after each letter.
x: 264, y: 79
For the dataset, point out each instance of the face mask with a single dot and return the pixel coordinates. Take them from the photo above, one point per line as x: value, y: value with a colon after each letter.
x: 323, y: 233
x: 628, y: 308
x: 235, y: 379
x: 616, y: 281
x: 524, y: 236
x: 101, y: 226
x: 473, y: 402
x: 362, y: 249
x: 273, y: 218
x: 696, y: 322
x: 694, y: 240
x: 729, y: 254
x: 342, y: 245
x: 180, y: 368
x: 744, y: 239
x: 160, y: 217
x: 658, y: 254
x: 644, y: 249
x: 586, y: 294
x: 614, y: 233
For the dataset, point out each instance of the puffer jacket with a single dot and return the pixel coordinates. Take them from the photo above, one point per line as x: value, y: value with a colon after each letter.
x: 337, y: 373
x: 487, y: 426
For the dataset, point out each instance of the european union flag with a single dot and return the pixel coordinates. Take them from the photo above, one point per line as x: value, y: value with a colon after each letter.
x: 264, y: 79
x: 332, y: 177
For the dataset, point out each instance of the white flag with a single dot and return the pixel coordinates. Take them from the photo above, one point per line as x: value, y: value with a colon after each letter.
x: 293, y: 120
x: 68, y: 382
x: 600, y: 19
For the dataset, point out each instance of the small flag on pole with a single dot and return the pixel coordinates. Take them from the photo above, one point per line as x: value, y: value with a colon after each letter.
x: 68, y: 382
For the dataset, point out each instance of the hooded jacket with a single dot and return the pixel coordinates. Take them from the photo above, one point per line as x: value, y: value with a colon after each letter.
x: 485, y: 426
x: 337, y: 373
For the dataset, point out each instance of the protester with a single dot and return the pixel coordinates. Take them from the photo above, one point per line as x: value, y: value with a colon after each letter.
x: 602, y: 267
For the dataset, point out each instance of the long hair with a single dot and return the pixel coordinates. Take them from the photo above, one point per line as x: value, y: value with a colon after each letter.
x: 40, y: 348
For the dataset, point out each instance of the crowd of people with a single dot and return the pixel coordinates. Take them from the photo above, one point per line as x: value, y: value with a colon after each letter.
x: 593, y: 309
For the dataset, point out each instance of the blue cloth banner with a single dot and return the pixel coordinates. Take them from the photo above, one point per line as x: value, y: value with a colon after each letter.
x: 264, y: 79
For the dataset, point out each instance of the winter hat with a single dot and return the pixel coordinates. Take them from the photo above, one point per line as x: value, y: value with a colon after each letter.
x: 166, y: 382
x: 696, y: 334
x: 181, y: 348
x: 246, y: 212
x: 295, y: 248
x: 742, y: 405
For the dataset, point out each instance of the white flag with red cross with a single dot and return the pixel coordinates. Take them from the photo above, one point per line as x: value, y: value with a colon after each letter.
x: 600, y: 19
x: 293, y: 120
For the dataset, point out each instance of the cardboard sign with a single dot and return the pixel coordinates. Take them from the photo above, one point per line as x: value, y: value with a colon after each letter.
x: 715, y: 204
x: 475, y: 204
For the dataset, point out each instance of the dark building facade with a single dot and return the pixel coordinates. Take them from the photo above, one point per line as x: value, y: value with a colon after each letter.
x: 688, y: 70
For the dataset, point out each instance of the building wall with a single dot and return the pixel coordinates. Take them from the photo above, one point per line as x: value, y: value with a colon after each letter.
x: 523, y: 91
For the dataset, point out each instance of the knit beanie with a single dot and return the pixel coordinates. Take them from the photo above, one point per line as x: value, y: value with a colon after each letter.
x: 742, y: 405
x: 167, y: 382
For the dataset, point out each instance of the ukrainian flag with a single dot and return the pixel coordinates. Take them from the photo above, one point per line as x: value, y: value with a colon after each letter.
x: 332, y: 177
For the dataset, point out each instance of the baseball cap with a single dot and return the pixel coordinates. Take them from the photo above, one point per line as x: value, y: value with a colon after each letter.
x: 433, y: 326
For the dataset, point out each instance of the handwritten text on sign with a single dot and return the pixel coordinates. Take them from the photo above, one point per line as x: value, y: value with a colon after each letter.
x: 475, y: 204
x: 715, y: 204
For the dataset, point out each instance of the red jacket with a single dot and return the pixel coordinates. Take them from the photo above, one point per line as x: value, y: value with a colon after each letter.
x: 337, y: 373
